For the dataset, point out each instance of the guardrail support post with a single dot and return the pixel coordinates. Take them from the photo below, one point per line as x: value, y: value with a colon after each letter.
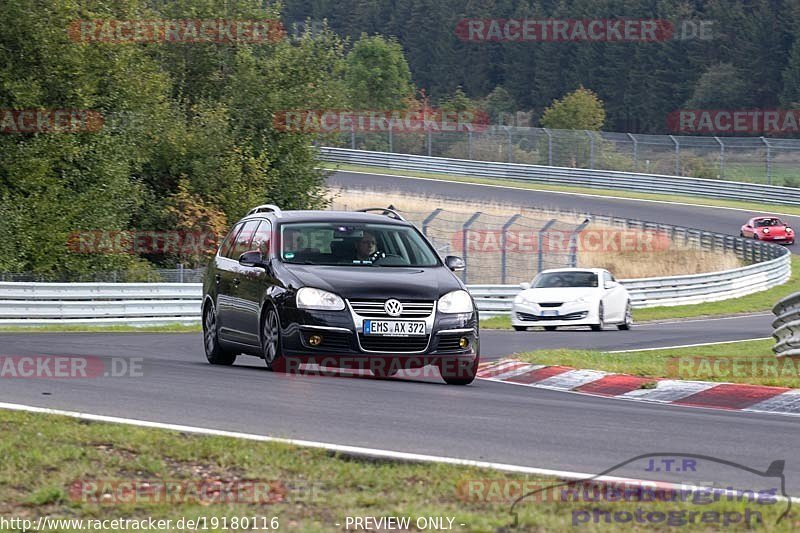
x: 540, y: 245
x: 503, y: 247
x: 549, y: 147
x: 635, y: 151
x: 464, y: 231
x: 721, y: 157
x: 573, y: 243
x: 677, y: 156
x: 591, y: 148
x: 769, y: 160
x: 391, y: 138
x: 430, y: 143
x: 469, y: 145
x: 510, y: 145
x: 429, y: 219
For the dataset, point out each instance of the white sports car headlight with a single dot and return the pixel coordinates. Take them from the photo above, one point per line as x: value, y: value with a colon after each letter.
x: 310, y: 298
x: 456, y: 302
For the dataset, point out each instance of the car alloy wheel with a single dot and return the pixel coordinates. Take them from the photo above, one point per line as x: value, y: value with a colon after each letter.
x: 271, y: 342
x: 214, y: 353
x: 626, y: 325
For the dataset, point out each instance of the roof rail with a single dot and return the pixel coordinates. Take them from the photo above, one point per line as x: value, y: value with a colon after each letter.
x: 388, y: 211
x: 266, y: 208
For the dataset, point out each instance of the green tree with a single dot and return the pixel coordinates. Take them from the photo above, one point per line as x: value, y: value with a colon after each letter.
x: 578, y: 110
x: 720, y: 87
x: 377, y: 74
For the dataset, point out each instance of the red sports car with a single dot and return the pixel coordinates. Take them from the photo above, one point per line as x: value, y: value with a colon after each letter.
x: 768, y: 229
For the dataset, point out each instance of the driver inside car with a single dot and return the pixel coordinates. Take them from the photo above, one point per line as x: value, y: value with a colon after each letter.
x: 366, y: 247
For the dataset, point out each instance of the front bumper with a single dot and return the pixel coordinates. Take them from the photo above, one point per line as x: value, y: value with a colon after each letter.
x: 340, y: 339
x: 568, y: 314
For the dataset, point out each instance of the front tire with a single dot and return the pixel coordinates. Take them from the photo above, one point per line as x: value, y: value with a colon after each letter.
x: 271, y: 347
x: 215, y: 354
x: 625, y: 326
x: 601, y: 324
x: 463, y: 375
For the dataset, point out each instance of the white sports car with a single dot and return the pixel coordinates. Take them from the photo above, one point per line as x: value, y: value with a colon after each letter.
x: 572, y: 297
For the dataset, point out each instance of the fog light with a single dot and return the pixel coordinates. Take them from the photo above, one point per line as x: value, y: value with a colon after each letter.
x: 463, y: 342
x: 315, y: 340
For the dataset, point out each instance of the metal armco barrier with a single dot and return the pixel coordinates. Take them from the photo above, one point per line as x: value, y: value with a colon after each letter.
x: 163, y: 303
x: 786, y: 327
x: 576, y: 177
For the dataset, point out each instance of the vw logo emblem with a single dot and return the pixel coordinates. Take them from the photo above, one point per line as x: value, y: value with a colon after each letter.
x: 393, y: 307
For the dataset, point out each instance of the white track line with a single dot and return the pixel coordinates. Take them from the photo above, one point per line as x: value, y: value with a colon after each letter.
x: 688, y: 345
x: 707, y: 319
x: 595, y: 196
x: 356, y: 450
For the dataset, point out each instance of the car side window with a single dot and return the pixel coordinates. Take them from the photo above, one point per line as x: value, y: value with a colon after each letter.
x: 261, y: 238
x: 225, y: 247
x: 242, y: 242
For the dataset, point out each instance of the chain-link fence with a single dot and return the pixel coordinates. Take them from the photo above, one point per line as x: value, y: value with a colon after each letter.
x: 496, y: 249
x: 749, y: 159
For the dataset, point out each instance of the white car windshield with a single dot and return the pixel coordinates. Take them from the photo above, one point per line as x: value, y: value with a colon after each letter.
x: 565, y: 279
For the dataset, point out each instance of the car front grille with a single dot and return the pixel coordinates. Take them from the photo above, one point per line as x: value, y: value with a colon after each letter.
x: 569, y: 316
x: 551, y: 304
x: 377, y: 343
x: 374, y: 309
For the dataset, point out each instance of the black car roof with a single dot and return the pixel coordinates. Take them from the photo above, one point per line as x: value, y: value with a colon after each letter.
x: 328, y: 216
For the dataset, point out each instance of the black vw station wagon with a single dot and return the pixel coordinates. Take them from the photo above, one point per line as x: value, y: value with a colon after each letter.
x: 362, y: 289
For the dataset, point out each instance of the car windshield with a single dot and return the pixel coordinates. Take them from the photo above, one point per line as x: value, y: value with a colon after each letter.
x: 768, y: 222
x: 565, y: 279
x: 358, y: 245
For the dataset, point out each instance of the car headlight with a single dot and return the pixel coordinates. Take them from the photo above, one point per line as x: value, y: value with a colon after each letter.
x: 310, y: 298
x: 766, y: 230
x: 581, y: 300
x: 789, y: 230
x: 456, y: 302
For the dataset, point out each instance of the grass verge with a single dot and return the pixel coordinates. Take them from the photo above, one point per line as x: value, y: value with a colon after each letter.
x: 750, y: 362
x: 752, y: 303
x: 79, y: 328
x: 747, y: 206
x: 309, y: 490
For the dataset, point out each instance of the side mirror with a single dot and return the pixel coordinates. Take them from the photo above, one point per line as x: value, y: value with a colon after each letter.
x: 454, y: 263
x: 525, y: 285
x: 253, y: 258
x: 611, y: 284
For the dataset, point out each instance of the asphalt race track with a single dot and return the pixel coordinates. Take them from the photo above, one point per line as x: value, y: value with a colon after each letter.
x: 486, y: 421
x: 721, y: 220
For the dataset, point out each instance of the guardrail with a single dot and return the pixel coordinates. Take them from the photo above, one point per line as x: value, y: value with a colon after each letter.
x: 786, y: 326
x: 36, y: 304
x: 575, y: 177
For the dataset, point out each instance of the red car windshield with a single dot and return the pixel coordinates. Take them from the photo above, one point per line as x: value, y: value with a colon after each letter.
x: 767, y: 222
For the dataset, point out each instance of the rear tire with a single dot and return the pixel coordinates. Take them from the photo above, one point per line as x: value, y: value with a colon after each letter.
x: 601, y: 324
x: 550, y: 328
x: 625, y: 326
x: 271, y: 347
x: 215, y: 354
x: 520, y: 328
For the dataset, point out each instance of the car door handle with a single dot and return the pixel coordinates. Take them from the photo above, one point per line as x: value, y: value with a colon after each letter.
x: 217, y: 278
x: 235, y: 281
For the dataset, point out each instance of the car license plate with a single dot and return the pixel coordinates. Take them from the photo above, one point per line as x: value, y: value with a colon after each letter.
x: 549, y: 313
x: 393, y: 328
